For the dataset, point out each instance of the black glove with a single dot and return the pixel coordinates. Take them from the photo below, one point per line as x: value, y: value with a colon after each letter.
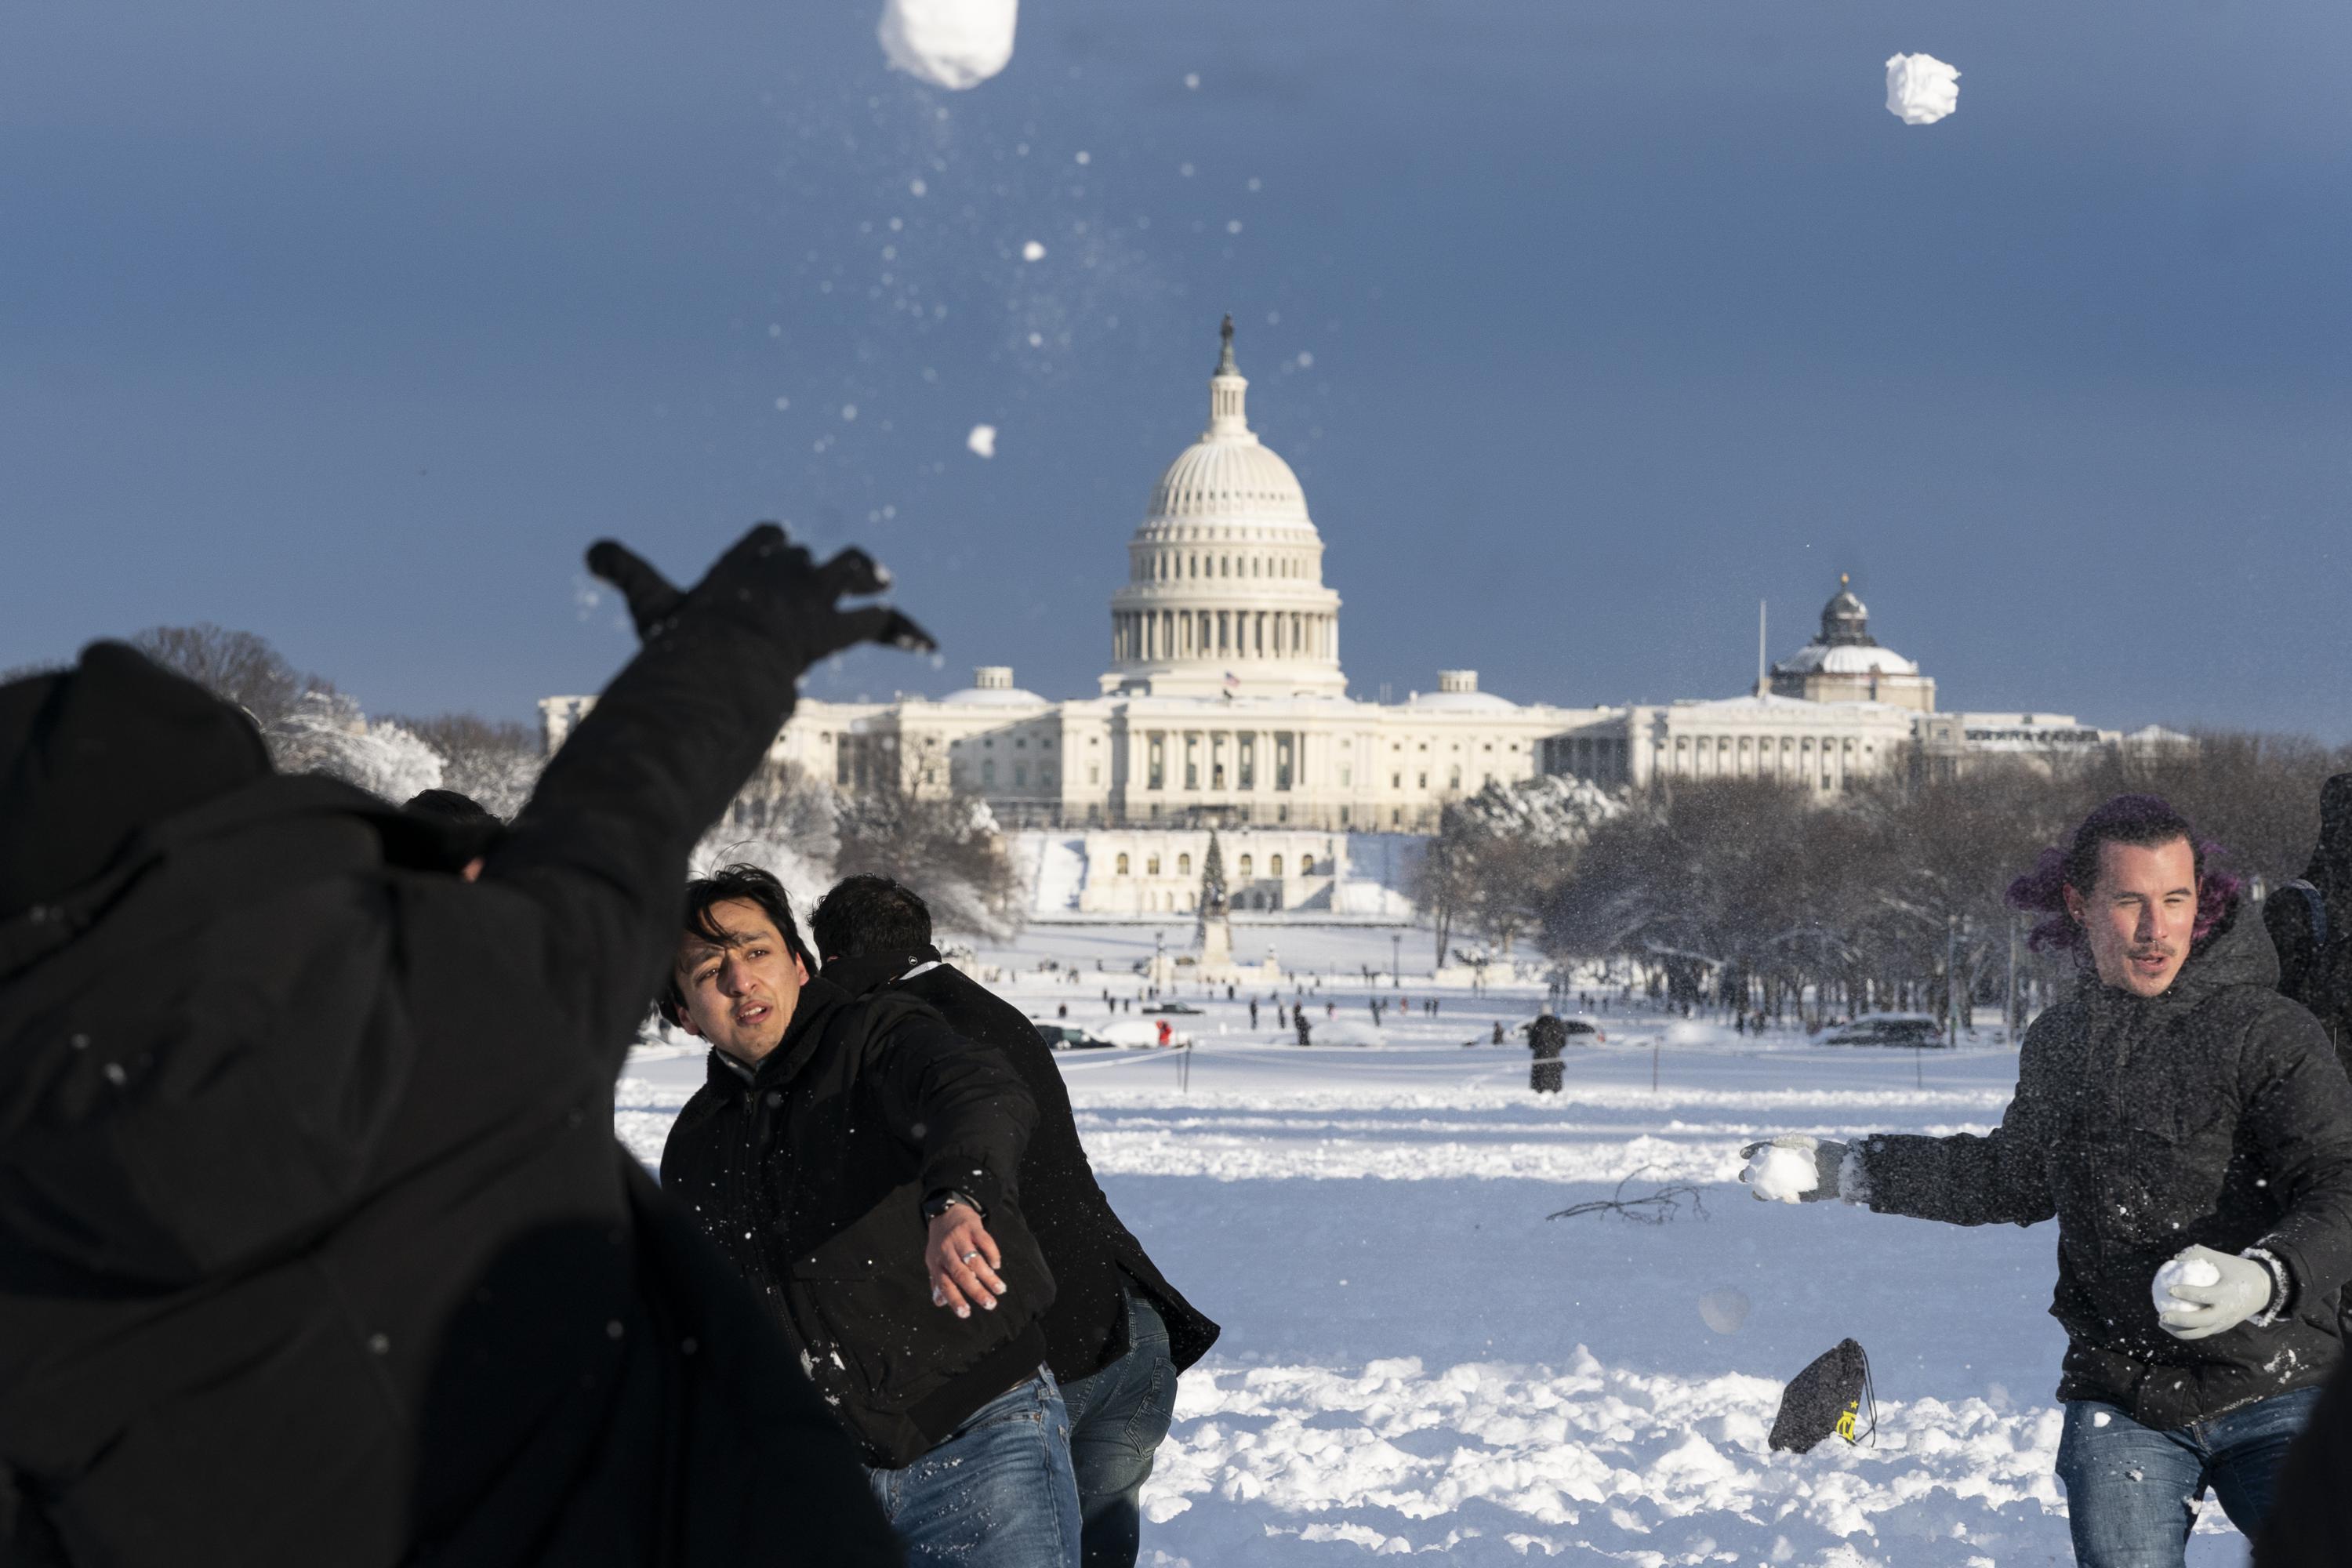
x: 771, y: 584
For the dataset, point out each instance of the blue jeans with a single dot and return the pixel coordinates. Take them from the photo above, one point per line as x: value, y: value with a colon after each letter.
x: 2132, y: 1490
x: 1118, y: 1418
x: 996, y: 1492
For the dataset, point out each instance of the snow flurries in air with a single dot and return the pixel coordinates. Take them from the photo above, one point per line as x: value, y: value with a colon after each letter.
x: 954, y: 44
x: 1921, y: 89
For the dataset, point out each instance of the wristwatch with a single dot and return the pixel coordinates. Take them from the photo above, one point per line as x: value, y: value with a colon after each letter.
x: 938, y: 1203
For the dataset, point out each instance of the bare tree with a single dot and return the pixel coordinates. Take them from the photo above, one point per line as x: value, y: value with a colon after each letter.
x: 237, y: 667
x: 495, y: 761
x: 949, y: 850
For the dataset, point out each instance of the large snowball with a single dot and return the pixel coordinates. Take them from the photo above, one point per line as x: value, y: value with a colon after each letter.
x: 1921, y: 89
x: 954, y: 44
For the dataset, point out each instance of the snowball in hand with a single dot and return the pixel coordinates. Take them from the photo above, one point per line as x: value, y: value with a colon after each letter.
x: 1782, y: 1172
x: 1921, y: 89
x: 2194, y: 1271
x: 1724, y: 1309
x: 954, y: 44
x: 983, y: 440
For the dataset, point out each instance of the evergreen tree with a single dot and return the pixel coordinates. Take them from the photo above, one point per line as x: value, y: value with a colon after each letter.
x: 1212, y: 880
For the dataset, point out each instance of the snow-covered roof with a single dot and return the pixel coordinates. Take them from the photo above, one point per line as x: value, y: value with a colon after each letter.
x: 993, y: 697
x: 1788, y: 706
x: 1845, y: 658
x: 1461, y: 702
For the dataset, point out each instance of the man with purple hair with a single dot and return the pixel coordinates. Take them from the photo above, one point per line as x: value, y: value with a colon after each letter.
x: 2190, y: 1130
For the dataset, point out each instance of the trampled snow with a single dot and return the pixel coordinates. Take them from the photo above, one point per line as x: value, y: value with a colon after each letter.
x: 1921, y: 89
x: 1416, y: 1360
x: 954, y: 44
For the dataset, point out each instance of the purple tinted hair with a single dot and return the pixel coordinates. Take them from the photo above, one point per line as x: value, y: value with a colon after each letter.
x: 2145, y: 820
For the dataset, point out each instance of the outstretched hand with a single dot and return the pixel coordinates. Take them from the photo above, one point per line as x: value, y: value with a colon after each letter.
x: 963, y: 1259
x: 777, y: 586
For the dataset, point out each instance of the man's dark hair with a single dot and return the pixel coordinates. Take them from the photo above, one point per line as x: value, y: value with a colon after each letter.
x: 866, y: 915
x: 449, y: 806
x: 751, y: 885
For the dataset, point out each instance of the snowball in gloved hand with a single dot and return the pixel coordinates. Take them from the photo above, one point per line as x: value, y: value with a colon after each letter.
x: 1921, y: 89
x: 2182, y: 1271
x: 1793, y: 1169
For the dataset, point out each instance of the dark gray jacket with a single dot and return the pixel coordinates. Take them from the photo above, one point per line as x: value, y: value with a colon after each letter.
x: 2214, y: 1114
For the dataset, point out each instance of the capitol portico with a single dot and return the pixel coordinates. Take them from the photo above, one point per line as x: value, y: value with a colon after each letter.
x: 1225, y: 706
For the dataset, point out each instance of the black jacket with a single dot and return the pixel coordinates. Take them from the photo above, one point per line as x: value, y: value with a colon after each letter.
x: 1093, y: 1256
x: 810, y: 1172
x: 315, y: 1242
x: 2215, y: 1114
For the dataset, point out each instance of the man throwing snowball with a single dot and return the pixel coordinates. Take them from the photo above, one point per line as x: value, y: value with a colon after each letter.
x: 2191, y: 1132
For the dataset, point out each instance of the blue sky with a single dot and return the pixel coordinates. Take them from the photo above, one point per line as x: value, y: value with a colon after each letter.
x: 1586, y: 326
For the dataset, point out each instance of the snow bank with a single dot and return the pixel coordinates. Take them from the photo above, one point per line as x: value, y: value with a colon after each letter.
x: 954, y: 44
x: 1921, y: 89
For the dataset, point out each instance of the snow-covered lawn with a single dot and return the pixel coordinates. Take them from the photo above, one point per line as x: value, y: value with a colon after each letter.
x: 1415, y: 1359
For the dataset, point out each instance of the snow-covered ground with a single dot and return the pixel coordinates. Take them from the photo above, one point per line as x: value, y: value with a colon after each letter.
x: 1416, y: 1360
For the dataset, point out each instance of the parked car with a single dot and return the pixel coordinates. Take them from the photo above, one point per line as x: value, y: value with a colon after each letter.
x: 1915, y: 1029
x: 1070, y: 1036
x: 1170, y: 1008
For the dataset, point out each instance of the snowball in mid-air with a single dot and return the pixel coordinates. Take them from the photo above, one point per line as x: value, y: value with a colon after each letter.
x: 1921, y: 89
x: 954, y: 44
x: 1724, y: 1309
x: 2194, y: 1271
x: 1033, y: 251
x: 983, y: 440
x: 1782, y: 1173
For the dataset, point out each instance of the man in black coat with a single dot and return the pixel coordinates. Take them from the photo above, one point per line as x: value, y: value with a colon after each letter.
x: 315, y: 1242
x: 1118, y: 1333
x: 858, y: 1165
x: 2191, y: 1132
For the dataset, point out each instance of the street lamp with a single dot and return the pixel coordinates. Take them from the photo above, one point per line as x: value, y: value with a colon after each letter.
x: 1396, y: 950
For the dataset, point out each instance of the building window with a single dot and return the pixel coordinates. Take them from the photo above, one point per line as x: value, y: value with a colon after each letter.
x: 1021, y: 775
x: 1273, y: 867
x: 1217, y: 760
x: 1285, y: 760
x: 1191, y: 761
x: 1151, y: 865
x: 1245, y: 760
x: 1307, y: 864
x: 1094, y: 774
x: 1183, y: 865
x: 1247, y: 866
x: 1422, y: 781
x: 1155, y: 752
x: 1122, y: 866
x: 1453, y: 779
x: 1343, y: 816
x: 1347, y: 776
x: 987, y: 773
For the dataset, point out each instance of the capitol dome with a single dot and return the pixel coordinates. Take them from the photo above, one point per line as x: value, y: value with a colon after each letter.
x: 1224, y: 595
x: 1845, y: 663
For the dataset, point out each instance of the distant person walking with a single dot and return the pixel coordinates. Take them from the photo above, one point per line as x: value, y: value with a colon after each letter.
x: 1547, y: 1037
x: 1166, y: 1034
x: 1306, y: 1030
x: 1253, y: 1013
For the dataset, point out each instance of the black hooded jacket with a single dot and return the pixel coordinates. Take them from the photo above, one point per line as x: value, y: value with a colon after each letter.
x: 2214, y: 1114
x: 2311, y: 924
x: 809, y: 1171
x: 315, y: 1242
x: 1094, y: 1257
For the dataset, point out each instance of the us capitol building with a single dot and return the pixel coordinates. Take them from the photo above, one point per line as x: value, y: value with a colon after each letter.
x: 1225, y: 706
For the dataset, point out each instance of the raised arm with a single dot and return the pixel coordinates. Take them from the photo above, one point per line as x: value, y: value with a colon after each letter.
x: 603, y: 844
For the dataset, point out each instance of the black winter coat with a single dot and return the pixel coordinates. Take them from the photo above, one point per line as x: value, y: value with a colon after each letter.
x: 315, y: 1242
x: 810, y: 1172
x: 1093, y: 1256
x: 2215, y: 1114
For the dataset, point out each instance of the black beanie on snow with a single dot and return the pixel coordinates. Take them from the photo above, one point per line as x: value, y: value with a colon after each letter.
x: 91, y: 756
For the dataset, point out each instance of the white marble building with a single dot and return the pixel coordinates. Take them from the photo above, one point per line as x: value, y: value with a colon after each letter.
x: 1225, y: 706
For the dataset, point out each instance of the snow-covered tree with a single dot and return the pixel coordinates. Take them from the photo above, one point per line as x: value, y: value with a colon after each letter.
x: 326, y: 732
